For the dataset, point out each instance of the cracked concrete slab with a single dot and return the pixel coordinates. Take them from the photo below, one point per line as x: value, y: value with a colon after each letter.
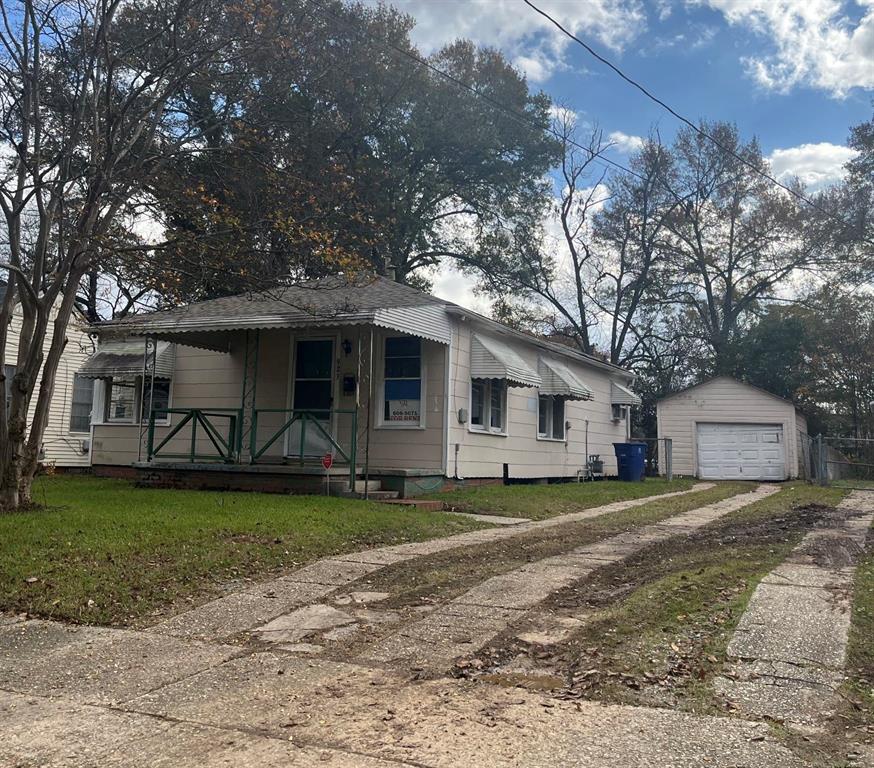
x: 445, y: 723
x: 302, y: 623
x: 106, y: 666
x: 790, y: 643
x: 227, y: 616
x: 797, y: 575
x: 336, y: 573
x: 793, y: 624
x: 43, y: 732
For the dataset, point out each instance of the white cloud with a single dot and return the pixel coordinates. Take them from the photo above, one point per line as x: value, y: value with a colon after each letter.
x: 459, y: 288
x: 530, y: 41
x: 817, y: 165
x: 826, y: 44
x: 625, y: 143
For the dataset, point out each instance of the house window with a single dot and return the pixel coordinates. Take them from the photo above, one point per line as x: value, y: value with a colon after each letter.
x: 550, y: 417
x: 80, y: 408
x: 488, y: 405
x: 121, y: 400
x: 402, y: 383
x: 159, y: 397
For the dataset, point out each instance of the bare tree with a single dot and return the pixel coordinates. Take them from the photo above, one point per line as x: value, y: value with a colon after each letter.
x: 608, y: 264
x: 86, y: 112
x: 550, y: 286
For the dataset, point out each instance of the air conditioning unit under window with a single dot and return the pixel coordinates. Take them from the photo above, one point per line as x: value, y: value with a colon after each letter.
x: 620, y: 412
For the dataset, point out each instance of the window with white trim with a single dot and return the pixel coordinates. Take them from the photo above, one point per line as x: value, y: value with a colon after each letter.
x: 550, y: 417
x: 121, y: 400
x: 159, y: 398
x: 488, y: 405
x: 124, y: 400
x: 402, y: 381
x: 80, y: 404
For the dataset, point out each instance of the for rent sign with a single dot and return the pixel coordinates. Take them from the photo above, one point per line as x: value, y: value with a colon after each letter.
x: 403, y: 411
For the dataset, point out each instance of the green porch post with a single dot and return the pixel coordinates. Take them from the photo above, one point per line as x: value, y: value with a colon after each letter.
x: 248, y: 420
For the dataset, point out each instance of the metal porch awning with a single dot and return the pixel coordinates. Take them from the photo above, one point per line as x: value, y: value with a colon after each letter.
x: 620, y: 395
x: 492, y: 359
x: 124, y: 359
x: 560, y: 380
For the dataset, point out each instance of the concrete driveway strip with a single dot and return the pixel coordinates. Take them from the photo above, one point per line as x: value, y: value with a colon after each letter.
x: 60, y: 734
x: 449, y: 723
x: 790, y: 645
x: 468, y: 622
x: 241, y: 611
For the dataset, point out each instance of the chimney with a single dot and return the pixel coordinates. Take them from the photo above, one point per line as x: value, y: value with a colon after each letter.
x: 389, y: 269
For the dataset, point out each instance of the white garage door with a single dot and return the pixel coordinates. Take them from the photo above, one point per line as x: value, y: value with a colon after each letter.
x: 741, y: 452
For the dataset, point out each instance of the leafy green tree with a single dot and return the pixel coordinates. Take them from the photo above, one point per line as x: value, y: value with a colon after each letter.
x: 775, y: 353
x: 328, y: 147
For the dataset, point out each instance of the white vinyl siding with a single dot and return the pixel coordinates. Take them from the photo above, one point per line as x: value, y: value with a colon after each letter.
x: 479, y: 455
x: 60, y: 446
x: 723, y: 401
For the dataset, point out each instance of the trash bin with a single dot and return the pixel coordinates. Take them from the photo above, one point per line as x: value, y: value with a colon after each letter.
x: 630, y: 461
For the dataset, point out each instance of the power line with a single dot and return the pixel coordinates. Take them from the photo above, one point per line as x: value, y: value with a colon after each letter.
x: 795, y: 193
x: 521, y: 117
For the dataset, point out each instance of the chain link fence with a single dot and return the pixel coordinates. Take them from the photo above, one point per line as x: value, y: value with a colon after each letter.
x: 846, y: 462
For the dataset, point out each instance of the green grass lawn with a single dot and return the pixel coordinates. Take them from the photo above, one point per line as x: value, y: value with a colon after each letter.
x: 538, y: 502
x: 105, y: 552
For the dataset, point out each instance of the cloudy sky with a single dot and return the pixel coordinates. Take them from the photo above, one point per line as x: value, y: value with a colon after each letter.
x: 794, y: 73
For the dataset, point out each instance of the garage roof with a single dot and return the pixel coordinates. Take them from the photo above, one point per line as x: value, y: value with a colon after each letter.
x: 736, y: 381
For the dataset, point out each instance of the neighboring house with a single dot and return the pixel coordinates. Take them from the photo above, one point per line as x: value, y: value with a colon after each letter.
x: 724, y: 429
x: 399, y: 386
x: 68, y: 433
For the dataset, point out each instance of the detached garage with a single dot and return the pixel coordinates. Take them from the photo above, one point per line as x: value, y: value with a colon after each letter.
x: 724, y: 429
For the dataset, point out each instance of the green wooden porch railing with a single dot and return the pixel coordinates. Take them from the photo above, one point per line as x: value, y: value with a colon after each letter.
x: 227, y: 446
x: 315, y: 421
x: 225, y: 442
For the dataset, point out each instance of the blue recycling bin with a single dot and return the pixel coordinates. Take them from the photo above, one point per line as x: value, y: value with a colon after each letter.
x: 630, y: 461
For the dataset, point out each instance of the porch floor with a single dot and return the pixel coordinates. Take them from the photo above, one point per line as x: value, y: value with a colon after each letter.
x: 309, y: 468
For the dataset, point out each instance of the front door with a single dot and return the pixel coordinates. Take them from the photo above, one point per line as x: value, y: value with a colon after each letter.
x: 312, y: 397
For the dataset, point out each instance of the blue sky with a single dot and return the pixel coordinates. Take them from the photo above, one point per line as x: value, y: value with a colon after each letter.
x: 795, y: 73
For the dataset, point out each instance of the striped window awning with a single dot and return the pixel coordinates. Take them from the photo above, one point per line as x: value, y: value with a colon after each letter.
x: 492, y: 359
x: 560, y: 380
x: 620, y: 395
x: 124, y: 360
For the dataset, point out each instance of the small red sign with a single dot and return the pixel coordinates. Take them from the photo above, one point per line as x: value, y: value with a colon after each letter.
x: 328, y: 460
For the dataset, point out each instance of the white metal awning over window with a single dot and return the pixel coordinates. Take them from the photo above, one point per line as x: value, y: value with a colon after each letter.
x: 124, y: 360
x: 492, y: 359
x: 560, y: 380
x: 620, y: 395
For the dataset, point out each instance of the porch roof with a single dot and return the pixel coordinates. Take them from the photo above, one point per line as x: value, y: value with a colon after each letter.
x: 317, y: 304
x: 124, y: 359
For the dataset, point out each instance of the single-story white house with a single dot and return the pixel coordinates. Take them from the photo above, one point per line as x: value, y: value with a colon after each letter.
x: 724, y: 429
x: 67, y: 438
x: 399, y: 387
